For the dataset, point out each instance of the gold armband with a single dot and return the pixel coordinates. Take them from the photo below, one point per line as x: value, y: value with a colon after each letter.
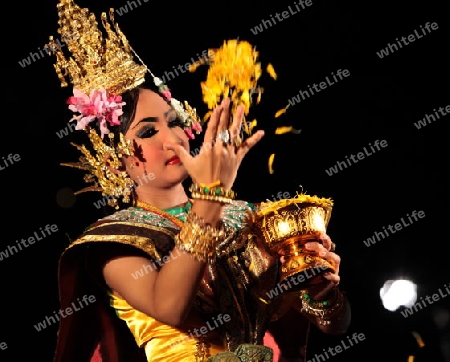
x: 199, y: 239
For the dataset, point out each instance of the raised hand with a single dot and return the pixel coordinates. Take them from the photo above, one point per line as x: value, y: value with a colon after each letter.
x: 222, y: 150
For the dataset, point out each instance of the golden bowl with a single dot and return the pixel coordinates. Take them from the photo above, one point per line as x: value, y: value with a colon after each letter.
x: 285, y: 226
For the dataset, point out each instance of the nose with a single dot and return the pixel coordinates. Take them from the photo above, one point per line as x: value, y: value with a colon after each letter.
x: 170, y: 137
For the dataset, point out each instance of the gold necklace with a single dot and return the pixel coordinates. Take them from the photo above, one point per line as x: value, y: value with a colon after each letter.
x: 148, y: 207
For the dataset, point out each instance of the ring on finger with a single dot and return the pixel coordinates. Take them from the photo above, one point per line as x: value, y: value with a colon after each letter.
x: 237, y: 141
x: 333, y: 246
x: 224, y: 136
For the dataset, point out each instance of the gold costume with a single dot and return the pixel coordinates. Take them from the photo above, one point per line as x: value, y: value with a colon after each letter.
x: 230, y: 303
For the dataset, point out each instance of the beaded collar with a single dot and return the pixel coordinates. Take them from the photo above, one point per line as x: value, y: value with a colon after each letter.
x: 175, y: 214
x: 234, y: 214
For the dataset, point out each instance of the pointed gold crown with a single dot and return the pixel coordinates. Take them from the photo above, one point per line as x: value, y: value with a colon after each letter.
x: 96, y: 61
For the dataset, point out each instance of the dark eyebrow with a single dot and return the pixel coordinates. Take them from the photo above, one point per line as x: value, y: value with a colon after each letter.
x: 152, y: 119
x: 146, y: 119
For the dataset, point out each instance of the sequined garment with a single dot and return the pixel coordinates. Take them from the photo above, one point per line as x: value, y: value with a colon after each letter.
x: 242, y: 273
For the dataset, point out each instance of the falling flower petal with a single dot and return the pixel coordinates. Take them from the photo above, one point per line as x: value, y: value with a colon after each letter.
x: 258, y: 99
x: 281, y: 111
x: 206, y: 116
x: 271, y: 158
x: 193, y: 67
x: 271, y: 71
x: 287, y: 129
x: 418, y: 338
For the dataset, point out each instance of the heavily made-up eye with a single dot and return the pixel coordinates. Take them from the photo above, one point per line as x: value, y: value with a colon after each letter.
x: 175, y: 122
x: 146, y: 131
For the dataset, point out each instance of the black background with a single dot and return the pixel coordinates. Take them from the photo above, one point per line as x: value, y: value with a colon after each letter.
x: 380, y: 100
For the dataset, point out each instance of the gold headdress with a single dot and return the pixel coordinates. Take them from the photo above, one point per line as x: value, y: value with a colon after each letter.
x: 101, y: 69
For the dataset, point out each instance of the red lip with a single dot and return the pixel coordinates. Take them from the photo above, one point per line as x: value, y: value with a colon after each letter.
x: 173, y: 160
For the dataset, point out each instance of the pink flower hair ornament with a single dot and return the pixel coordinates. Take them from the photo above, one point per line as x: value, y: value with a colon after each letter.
x: 97, y: 105
x: 107, y: 109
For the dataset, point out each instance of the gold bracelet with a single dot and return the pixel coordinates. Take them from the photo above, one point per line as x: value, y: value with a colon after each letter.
x: 325, y: 309
x: 200, y: 239
x: 211, y: 190
x: 222, y: 199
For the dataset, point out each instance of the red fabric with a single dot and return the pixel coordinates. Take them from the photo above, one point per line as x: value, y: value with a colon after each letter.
x: 96, y: 357
x: 92, y: 334
x: 269, y: 341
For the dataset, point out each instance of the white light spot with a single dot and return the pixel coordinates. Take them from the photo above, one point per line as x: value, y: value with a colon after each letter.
x: 397, y: 293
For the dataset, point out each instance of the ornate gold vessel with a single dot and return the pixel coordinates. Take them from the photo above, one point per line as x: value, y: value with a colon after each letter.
x: 285, y: 226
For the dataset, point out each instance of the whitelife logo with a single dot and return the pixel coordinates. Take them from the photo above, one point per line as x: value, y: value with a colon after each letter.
x: 392, y: 229
x: 75, y: 307
x: 279, y: 17
x: 429, y: 118
x: 352, y: 159
x: 25, y: 243
x: 426, y: 301
x: 316, y: 88
x: 302, y: 277
x: 344, y: 345
x: 9, y: 160
x: 391, y: 48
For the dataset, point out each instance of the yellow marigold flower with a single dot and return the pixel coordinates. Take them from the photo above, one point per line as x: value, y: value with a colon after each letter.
x: 234, y: 71
x: 267, y: 208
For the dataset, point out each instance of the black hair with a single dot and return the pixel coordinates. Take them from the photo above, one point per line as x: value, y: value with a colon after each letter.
x: 131, y: 98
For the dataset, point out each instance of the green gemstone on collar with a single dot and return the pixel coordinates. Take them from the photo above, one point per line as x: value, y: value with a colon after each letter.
x: 217, y: 192
x: 206, y: 190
